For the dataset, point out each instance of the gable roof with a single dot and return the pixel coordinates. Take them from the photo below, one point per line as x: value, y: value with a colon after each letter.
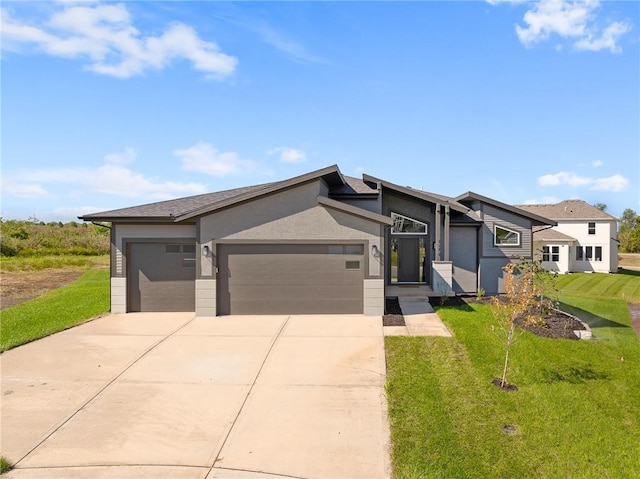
x: 182, y: 209
x: 471, y: 196
x: 550, y: 234
x: 568, y: 210
x: 422, y: 195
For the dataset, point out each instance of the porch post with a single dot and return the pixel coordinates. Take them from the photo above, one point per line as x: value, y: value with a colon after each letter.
x: 438, y: 235
x: 446, y: 232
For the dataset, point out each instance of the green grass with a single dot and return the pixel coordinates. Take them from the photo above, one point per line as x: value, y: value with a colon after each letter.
x: 37, y: 263
x: 577, y: 410
x: 5, y: 465
x: 624, y: 285
x: 56, y: 310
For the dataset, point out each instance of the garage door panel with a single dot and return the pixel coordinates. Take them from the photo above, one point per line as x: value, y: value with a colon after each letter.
x: 161, y: 279
x: 290, y: 279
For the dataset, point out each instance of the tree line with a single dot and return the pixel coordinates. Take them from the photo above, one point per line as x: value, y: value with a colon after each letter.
x: 36, y: 238
x: 629, y: 231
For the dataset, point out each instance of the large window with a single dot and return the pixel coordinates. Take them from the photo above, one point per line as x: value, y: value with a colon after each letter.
x: 592, y: 228
x: 408, y: 226
x: 588, y: 253
x: 505, y: 237
x: 579, y: 253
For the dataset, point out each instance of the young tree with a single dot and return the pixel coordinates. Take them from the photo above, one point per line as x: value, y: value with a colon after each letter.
x: 520, y: 293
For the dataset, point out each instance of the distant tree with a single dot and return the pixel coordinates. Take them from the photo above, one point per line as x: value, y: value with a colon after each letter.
x: 600, y: 206
x: 629, y: 231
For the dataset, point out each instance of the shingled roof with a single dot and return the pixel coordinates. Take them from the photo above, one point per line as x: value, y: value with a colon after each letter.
x: 568, y: 210
x: 182, y: 209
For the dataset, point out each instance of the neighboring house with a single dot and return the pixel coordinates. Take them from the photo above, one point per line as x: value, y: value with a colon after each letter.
x: 584, y: 240
x: 317, y: 243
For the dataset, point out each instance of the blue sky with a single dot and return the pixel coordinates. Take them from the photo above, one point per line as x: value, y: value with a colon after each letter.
x: 107, y: 105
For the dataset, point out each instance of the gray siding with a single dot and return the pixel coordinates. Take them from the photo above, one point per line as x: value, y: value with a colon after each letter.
x: 497, y: 217
x: 463, y: 253
x: 491, y: 274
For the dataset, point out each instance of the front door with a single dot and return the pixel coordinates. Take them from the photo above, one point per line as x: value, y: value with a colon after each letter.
x: 409, y: 259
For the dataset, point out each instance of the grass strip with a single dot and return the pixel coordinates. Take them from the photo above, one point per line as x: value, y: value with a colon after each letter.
x: 576, y: 413
x: 56, y: 310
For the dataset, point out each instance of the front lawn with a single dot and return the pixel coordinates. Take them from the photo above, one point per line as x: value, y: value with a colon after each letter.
x: 576, y: 413
x: 56, y: 310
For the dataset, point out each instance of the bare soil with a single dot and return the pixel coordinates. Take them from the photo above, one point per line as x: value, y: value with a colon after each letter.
x: 20, y: 286
x: 634, y: 309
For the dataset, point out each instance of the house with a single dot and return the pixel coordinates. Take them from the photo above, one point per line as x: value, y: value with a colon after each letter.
x: 584, y: 239
x: 321, y: 242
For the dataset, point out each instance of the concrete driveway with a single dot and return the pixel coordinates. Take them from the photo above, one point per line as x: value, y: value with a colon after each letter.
x: 153, y: 395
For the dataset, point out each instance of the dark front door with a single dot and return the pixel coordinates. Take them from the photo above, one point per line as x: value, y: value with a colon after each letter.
x: 408, y: 260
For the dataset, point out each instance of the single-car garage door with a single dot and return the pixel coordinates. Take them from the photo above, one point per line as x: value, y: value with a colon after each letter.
x: 290, y: 279
x: 161, y: 276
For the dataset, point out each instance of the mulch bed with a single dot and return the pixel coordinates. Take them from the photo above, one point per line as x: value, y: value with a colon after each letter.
x: 393, y: 314
x: 556, y: 325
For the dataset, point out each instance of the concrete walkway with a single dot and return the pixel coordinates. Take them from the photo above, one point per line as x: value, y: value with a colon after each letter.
x: 419, y: 318
x: 166, y: 395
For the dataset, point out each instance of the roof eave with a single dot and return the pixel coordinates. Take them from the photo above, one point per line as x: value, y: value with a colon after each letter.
x: 332, y: 175
x: 415, y: 193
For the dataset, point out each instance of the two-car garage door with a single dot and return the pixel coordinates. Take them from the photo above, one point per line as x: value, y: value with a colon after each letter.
x: 290, y: 279
x: 252, y: 278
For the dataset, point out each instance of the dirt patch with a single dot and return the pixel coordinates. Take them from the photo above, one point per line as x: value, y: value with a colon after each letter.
x: 634, y: 309
x: 393, y: 314
x: 554, y: 324
x: 21, y: 286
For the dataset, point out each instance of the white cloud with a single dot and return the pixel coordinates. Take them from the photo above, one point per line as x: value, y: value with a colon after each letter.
x: 564, y: 178
x: 288, y: 155
x: 204, y: 158
x: 608, y: 40
x: 127, y: 156
x: 105, y: 35
x: 111, y: 178
x: 597, y: 163
x: 575, y: 20
x: 11, y: 187
x: 613, y: 183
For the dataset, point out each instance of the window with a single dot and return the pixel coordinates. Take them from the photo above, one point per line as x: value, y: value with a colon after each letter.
x: 579, y: 253
x: 598, y: 253
x: 406, y: 225
x: 505, y: 237
x: 172, y: 248
x: 592, y: 228
x: 588, y: 255
x: 551, y: 253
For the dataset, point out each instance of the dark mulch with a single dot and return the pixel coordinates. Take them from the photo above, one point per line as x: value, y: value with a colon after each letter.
x: 393, y: 314
x: 555, y: 324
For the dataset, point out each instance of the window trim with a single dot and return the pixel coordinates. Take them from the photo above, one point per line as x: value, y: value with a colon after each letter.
x: 591, y: 227
x: 495, y: 237
x: 393, y: 232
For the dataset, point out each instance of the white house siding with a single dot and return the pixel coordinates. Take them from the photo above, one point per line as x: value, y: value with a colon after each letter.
x: 605, y: 232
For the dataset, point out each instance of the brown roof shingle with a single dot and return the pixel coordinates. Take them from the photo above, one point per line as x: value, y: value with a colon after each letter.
x: 568, y: 210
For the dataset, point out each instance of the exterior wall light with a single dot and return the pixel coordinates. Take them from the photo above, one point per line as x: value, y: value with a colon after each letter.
x: 206, y: 251
x: 375, y: 251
